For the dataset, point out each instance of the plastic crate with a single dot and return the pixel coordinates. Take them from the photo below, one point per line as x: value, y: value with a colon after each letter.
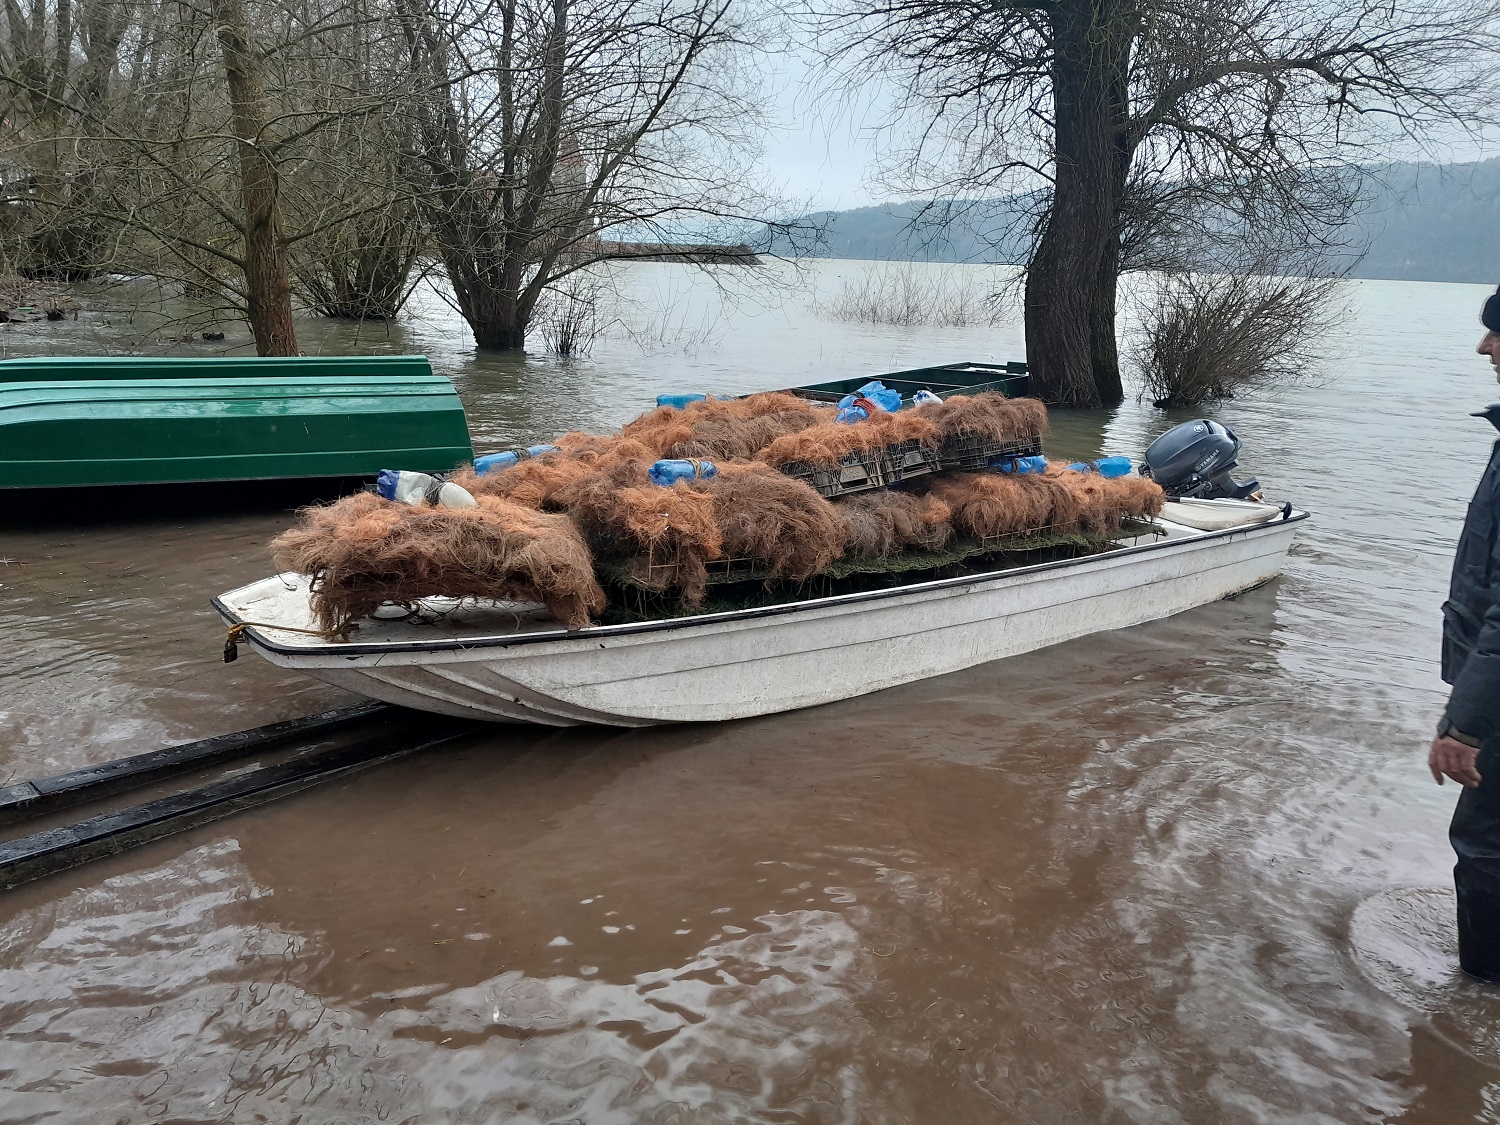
x: 971, y: 454
x: 910, y: 459
x: 857, y: 473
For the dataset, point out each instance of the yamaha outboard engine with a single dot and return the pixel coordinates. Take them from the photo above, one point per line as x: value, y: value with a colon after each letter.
x: 1193, y: 461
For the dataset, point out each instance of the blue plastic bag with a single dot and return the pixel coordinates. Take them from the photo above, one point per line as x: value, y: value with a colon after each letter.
x: 851, y: 413
x: 1110, y: 467
x: 1037, y: 464
x: 669, y: 472
x: 877, y: 392
x: 678, y: 401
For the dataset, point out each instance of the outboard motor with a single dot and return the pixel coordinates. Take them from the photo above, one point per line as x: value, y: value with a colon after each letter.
x: 1193, y: 461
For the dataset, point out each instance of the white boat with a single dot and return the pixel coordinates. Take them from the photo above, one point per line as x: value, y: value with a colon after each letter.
x: 510, y: 662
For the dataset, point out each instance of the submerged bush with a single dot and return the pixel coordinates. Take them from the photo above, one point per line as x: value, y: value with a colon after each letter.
x: 361, y: 269
x: 1207, y: 337
x: 571, y: 314
x: 904, y: 294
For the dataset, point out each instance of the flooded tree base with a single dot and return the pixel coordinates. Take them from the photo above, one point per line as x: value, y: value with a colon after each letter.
x: 23, y: 299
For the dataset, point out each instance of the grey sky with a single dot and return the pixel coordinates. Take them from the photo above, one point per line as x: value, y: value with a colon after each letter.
x: 821, y: 148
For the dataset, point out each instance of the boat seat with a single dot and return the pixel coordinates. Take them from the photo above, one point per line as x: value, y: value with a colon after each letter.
x: 1219, y: 515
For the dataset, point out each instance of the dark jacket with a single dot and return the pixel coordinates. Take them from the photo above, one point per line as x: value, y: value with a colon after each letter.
x: 1471, y: 615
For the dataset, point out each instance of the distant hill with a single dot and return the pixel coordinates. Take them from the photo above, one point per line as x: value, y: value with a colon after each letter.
x: 987, y: 230
x: 1433, y: 222
x: 1422, y: 222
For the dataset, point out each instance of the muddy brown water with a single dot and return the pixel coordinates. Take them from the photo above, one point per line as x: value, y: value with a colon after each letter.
x: 1133, y: 878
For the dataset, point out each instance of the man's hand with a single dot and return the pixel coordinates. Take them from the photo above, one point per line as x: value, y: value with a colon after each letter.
x: 1452, y: 758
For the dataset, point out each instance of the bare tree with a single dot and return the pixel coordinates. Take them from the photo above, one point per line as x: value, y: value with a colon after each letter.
x: 1155, y: 122
x: 56, y: 65
x: 268, y: 289
x: 201, y: 132
x: 540, y: 127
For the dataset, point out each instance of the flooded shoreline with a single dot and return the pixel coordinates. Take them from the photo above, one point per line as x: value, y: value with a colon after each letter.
x: 1116, y: 880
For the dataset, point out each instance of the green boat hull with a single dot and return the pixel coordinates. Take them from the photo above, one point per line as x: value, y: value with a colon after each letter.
x: 71, y: 368
x: 113, y: 430
x: 944, y: 380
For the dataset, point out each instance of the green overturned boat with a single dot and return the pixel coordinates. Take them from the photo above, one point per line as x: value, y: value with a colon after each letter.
x: 70, y: 421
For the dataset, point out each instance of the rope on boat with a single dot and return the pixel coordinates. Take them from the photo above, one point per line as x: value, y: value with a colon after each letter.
x: 232, y: 639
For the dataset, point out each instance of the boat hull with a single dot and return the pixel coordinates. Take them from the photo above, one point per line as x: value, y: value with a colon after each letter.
x: 133, y: 421
x: 756, y: 662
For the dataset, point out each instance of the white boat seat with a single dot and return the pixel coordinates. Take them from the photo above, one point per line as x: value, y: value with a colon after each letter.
x: 1219, y: 515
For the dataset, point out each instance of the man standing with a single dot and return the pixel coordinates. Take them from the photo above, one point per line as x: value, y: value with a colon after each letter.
x: 1467, y: 746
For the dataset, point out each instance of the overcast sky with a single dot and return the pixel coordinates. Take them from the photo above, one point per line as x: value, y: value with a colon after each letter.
x: 822, y: 149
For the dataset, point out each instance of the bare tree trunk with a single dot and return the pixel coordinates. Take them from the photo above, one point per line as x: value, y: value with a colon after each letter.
x: 494, y: 317
x: 268, y: 291
x: 1103, y: 342
x: 1070, y: 286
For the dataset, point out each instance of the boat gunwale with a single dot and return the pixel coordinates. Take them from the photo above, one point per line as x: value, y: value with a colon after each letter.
x: 252, y: 631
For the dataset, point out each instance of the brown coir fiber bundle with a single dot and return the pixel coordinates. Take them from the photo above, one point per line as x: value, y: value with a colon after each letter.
x: 764, y: 515
x: 991, y: 504
x: 828, y: 443
x: 671, y: 530
x: 576, y: 443
x: 1139, y: 497
x: 364, y: 551
x: 539, y: 481
x: 883, y: 522
x: 1103, y: 503
x: 667, y: 426
x: 740, y: 439
x: 990, y: 416
x: 1060, y: 500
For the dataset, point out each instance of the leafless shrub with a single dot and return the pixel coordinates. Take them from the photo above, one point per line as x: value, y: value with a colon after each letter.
x: 362, y: 269
x: 572, y: 314
x: 905, y: 295
x: 1207, y: 337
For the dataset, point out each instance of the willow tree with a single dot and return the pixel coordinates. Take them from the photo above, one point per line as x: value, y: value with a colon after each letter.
x: 214, y: 139
x: 543, y: 134
x: 57, y: 63
x: 1146, y: 118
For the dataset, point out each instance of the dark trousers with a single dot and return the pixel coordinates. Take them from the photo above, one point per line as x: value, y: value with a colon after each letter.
x: 1475, y: 834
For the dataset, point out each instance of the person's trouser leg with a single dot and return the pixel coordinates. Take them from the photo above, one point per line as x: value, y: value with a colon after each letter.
x: 1475, y: 835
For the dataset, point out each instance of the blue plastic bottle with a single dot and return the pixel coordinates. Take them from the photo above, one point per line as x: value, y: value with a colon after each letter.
x: 669, y: 472
x: 492, y: 462
x: 416, y: 489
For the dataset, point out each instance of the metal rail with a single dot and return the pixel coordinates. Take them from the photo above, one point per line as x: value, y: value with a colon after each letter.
x: 47, y: 794
x: 57, y: 849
